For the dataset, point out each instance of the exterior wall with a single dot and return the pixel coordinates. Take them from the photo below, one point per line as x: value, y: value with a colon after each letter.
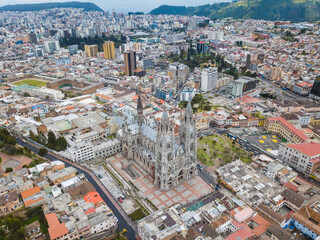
x: 295, y: 159
x: 302, y: 228
x: 10, y: 206
x: 279, y: 128
x: 64, y: 178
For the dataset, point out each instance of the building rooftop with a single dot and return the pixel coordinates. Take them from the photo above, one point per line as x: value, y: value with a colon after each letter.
x: 309, y: 149
x: 249, y: 185
x: 290, y: 126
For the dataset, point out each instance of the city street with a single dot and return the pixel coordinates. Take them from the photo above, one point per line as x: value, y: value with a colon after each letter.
x: 122, y: 222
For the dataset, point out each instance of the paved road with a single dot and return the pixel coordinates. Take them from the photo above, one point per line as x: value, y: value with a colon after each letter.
x: 130, y: 234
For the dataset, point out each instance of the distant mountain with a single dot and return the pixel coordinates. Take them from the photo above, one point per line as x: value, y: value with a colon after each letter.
x: 275, y: 10
x: 87, y: 6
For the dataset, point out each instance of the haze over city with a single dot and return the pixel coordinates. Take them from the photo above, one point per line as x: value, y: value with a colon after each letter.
x: 124, y: 5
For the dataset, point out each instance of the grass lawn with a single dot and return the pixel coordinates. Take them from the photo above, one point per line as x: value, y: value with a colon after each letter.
x: 214, y: 148
x: 137, y: 215
x: 204, y: 157
x: 31, y: 82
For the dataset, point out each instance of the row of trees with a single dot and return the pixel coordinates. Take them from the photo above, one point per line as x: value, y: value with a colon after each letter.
x: 118, y: 40
x: 202, y: 104
x: 58, y: 144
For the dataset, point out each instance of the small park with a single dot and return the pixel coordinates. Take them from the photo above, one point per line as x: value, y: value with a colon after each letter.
x: 214, y: 150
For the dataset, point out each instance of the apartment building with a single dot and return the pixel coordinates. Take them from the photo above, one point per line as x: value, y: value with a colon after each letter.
x: 303, y: 157
x: 62, y: 175
x: 285, y: 130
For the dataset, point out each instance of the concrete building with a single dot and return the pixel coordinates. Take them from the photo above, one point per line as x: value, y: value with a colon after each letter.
x: 102, y: 223
x: 33, y: 38
x: 209, y: 79
x: 43, y: 93
x: 302, y: 88
x: 91, y: 50
x: 242, y: 85
x: 187, y: 94
x: 161, y: 225
x: 303, y: 157
x: 248, y: 184
x: 73, y: 49
x: 51, y: 46
x: 164, y: 93
x: 57, y: 177
x: 81, y: 152
x: 306, y: 220
x: 130, y: 62
x: 285, y: 129
x: 108, y: 50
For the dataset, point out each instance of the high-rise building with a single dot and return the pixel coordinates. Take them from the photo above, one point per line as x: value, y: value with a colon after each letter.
x: 130, y: 62
x: 73, y: 32
x: 108, y: 50
x: 73, y: 49
x: 98, y: 30
x: 201, y: 47
x: 51, y: 46
x: 209, y: 79
x: 33, y: 37
x: 91, y: 50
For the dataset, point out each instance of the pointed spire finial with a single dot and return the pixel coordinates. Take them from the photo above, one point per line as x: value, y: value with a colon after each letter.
x: 189, y: 107
x: 165, y: 114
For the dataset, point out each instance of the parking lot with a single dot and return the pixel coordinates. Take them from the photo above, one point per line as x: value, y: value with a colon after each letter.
x: 266, y: 142
x: 220, y: 100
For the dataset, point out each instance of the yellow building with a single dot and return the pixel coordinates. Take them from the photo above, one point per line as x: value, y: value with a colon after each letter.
x: 91, y: 50
x: 108, y: 50
x: 62, y: 175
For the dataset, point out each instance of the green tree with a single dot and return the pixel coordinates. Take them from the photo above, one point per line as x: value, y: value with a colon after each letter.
x: 52, y: 138
x: 9, y: 169
x: 42, y: 152
x: 10, y: 149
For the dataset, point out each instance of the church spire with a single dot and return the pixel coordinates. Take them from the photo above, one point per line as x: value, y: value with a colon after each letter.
x: 140, y: 111
x: 189, y: 108
x: 164, y: 114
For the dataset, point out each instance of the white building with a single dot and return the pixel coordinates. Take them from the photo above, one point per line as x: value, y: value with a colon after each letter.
x: 51, y: 46
x: 215, y: 35
x: 43, y: 92
x: 187, y: 94
x: 86, y: 150
x: 102, y: 222
x: 209, y: 79
x: 303, y: 157
x: 81, y: 152
x: 108, y: 148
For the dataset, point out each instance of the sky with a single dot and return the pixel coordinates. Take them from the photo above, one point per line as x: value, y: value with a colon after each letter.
x: 124, y: 5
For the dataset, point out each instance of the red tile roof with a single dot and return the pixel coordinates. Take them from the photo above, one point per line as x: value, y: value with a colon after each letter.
x: 90, y: 210
x: 309, y: 149
x: 304, y: 84
x: 93, y: 197
x: 29, y: 192
x: 290, y: 127
x: 291, y: 186
x: 56, y: 229
x: 241, y: 234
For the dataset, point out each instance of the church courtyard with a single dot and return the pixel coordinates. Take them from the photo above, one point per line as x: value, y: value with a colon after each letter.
x: 188, y: 191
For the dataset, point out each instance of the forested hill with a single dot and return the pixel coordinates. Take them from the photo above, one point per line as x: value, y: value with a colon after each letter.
x: 274, y: 10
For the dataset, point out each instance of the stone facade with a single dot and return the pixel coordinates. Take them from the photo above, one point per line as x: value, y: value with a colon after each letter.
x: 169, y: 160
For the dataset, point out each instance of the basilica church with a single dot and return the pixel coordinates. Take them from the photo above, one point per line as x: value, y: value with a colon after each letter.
x: 170, y: 160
